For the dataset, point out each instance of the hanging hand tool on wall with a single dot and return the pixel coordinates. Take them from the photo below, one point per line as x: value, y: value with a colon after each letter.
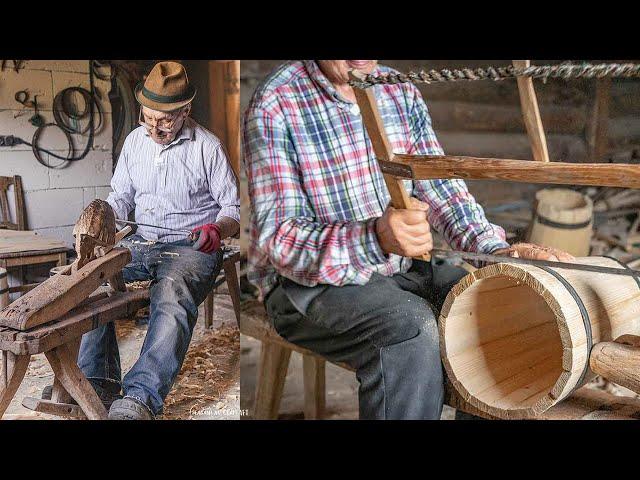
x: 22, y: 97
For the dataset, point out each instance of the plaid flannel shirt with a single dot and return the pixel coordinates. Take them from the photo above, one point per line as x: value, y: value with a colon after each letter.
x: 316, y: 188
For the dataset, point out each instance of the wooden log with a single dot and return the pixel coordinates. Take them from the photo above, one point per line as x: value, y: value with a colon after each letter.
x: 513, y: 337
x: 381, y: 146
x: 618, y: 363
x: 424, y: 167
x: 531, y: 114
x: 59, y: 294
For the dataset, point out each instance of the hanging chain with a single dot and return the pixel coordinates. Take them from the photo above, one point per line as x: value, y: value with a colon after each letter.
x: 565, y: 71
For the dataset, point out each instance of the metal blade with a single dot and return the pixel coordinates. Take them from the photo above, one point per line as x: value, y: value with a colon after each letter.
x: 627, y: 272
x: 188, y: 232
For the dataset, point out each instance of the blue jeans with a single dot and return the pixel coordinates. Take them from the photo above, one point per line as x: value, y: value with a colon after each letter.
x: 181, y: 279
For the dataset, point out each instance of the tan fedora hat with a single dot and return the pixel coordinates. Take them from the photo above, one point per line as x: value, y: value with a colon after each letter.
x: 166, y: 88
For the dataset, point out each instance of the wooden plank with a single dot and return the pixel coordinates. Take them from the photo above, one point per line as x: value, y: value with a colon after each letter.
x: 75, y: 323
x: 32, y: 260
x: 424, y: 167
x: 598, y: 128
x: 381, y: 146
x: 531, y: 114
x: 49, y: 407
x: 15, y: 243
x: 60, y: 293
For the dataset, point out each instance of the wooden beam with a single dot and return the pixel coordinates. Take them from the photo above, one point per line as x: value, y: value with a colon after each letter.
x: 224, y: 106
x: 426, y: 167
x: 598, y: 128
x: 531, y: 114
x: 381, y: 146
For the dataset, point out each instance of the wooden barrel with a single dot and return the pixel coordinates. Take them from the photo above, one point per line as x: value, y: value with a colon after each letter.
x: 4, y: 288
x: 564, y: 220
x: 516, y: 339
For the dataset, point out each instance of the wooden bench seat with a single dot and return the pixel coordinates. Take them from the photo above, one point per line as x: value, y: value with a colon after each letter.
x: 584, y: 404
x: 60, y: 342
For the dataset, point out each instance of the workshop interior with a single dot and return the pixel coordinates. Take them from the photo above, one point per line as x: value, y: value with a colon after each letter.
x: 319, y: 240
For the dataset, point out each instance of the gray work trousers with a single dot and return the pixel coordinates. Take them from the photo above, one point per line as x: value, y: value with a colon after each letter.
x: 386, y: 330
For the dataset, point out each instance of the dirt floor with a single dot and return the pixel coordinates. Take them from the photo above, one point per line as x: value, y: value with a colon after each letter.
x: 208, y: 387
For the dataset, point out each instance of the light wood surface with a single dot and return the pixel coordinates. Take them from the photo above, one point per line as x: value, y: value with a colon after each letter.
x: 513, y: 339
x: 531, y: 114
x: 15, y: 243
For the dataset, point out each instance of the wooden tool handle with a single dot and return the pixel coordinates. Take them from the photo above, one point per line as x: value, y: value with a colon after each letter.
x: 375, y: 128
x: 618, y: 362
x: 531, y: 114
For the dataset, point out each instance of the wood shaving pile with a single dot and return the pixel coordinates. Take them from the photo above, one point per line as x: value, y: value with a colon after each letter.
x: 210, y: 368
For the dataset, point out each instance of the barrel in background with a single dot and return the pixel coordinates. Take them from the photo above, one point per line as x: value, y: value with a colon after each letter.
x: 563, y: 219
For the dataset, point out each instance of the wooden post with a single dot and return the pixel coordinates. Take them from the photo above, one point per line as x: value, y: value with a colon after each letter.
x: 272, y: 371
x: 598, y: 127
x: 375, y: 128
x: 224, y: 106
x: 14, y: 369
x: 531, y: 114
x: 314, y: 387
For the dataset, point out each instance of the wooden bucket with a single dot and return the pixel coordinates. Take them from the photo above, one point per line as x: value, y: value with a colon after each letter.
x: 4, y: 288
x: 564, y: 220
x: 516, y: 339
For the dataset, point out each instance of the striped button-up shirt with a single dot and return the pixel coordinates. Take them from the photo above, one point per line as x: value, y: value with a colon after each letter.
x: 182, y: 185
x: 316, y: 188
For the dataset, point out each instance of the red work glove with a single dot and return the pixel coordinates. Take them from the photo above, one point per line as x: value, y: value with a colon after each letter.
x: 207, y: 238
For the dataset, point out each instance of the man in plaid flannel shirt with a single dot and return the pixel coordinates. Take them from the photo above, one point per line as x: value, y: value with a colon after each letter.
x: 330, y: 257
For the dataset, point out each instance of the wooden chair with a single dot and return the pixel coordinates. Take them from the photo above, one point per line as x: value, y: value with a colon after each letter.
x: 229, y: 274
x: 583, y: 404
x: 18, y: 193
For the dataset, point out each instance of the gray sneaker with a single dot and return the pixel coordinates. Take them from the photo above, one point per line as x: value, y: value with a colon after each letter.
x: 129, y: 408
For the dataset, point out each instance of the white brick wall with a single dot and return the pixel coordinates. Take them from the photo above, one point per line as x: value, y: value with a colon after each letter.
x: 54, y: 198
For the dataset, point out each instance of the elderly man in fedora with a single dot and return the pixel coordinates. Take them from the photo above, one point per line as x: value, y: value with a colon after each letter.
x: 331, y: 258
x: 175, y: 174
